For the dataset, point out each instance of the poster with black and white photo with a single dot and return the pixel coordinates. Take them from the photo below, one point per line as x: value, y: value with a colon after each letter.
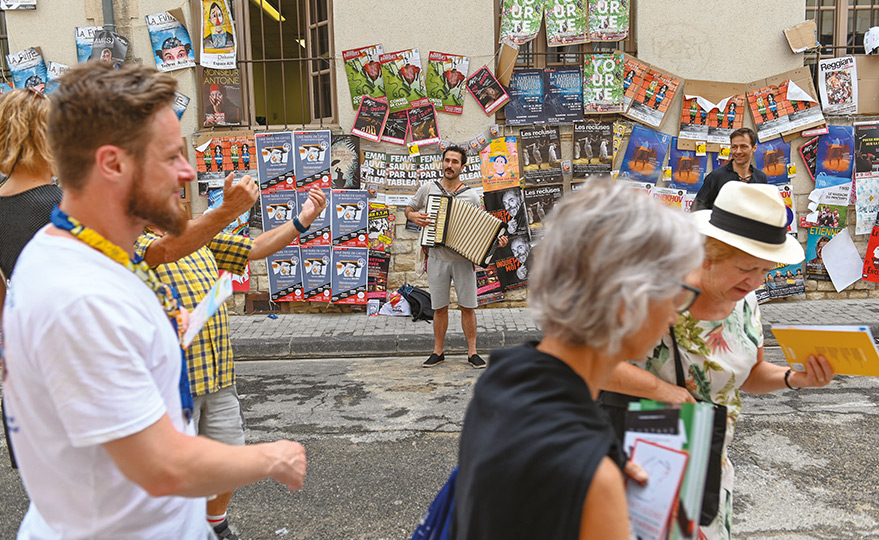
x: 285, y: 275
x: 345, y: 164
x: 350, y: 274
x: 508, y: 205
x: 512, y: 262
x: 539, y: 202
x: 593, y: 148
x: 109, y: 47
x: 540, y: 150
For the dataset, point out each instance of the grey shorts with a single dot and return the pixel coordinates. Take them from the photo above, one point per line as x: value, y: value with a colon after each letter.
x: 218, y: 416
x: 441, y: 274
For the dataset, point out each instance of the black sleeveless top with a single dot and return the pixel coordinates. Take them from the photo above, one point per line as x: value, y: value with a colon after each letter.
x: 21, y: 216
x: 531, y: 443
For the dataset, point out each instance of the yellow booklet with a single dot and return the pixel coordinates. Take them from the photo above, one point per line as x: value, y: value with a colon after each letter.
x: 849, y: 349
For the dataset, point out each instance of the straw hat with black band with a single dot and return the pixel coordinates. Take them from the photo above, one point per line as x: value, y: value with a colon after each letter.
x: 754, y: 219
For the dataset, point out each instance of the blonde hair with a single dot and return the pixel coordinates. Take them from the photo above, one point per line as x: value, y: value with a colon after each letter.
x: 717, y: 251
x: 24, y: 115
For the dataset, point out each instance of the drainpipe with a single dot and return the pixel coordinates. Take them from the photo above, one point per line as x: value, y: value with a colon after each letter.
x: 109, y: 17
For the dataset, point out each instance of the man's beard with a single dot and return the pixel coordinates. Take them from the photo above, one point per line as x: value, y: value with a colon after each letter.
x: 171, y: 219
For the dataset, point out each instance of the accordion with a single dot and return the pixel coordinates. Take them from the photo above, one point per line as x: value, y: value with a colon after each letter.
x: 467, y: 230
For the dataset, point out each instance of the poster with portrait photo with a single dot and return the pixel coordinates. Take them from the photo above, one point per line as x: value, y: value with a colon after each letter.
x: 316, y: 277
x: 109, y: 47
x: 28, y: 69
x: 540, y: 152
x: 350, y: 274
x: 396, y: 128
x: 422, y: 125
x: 285, y: 271
x: 84, y: 37
x: 371, y: 117
x: 508, y: 205
x: 345, y: 162
x: 487, y: 90
x: 818, y: 238
x: 592, y: 148
x: 219, y: 42
x: 172, y: 46
x: 539, y: 202
x: 320, y: 232
x: 783, y: 281
x: 350, y: 218
x: 513, y: 262
x: 221, y: 97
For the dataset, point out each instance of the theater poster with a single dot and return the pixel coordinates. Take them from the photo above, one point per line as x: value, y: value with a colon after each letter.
x: 28, y: 69
x: 446, y: 74
x: 320, y: 232
x: 219, y: 42
x: 285, y: 270
x: 566, y: 22
x: 221, y: 97
x: 592, y: 148
x: 644, y: 155
x: 540, y: 150
x: 564, y: 100
x: 500, y: 164
x: 396, y: 128
x: 404, y: 79
x: 350, y: 218
x: 772, y: 157
x: 521, y: 20
x: 172, y: 46
x: 608, y: 20
x: 687, y: 169
x: 364, y: 73
x: 109, y: 47
x: 527, y: 98
x: 316, y: 276
x: 84, y: 36
x: 312, y: 158
x: 603, y: 83
x: 350, y: 274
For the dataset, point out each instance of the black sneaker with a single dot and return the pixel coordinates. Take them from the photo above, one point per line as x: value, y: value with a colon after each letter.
x: 434, y: 360
x: 225, y: 532
x: 477, y: 362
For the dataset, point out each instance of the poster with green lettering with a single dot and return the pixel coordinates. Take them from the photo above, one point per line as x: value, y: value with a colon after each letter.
x: 404, y: 79
x: 608, y: 20
x: 603, y: 83
x: 566, y: 22
x: 520, y: 20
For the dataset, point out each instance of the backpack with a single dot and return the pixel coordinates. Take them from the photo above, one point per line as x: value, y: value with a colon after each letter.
x: 419, y: 302
x: 437, y: 521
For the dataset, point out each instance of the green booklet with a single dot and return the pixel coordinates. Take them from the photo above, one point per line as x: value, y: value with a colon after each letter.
x: 685, y: 427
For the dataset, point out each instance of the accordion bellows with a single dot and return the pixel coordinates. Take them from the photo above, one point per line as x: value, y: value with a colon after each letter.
x: 467, y: 230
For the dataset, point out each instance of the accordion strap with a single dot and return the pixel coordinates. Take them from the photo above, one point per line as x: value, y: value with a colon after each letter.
x: 457, y: 192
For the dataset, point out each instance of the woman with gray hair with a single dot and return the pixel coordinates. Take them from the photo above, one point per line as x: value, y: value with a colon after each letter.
x: 718, y: 341
x: 538, y: 458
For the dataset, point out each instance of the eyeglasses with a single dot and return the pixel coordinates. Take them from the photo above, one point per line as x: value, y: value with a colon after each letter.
x: 685, y: 298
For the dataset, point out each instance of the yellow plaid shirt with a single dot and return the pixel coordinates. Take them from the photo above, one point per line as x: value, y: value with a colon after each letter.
x: 209, y: 357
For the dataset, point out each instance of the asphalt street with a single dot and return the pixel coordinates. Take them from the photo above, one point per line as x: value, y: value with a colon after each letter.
x: 381, y: 436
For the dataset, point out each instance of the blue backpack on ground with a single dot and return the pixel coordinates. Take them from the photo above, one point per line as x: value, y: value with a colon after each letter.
x: 437, y: 522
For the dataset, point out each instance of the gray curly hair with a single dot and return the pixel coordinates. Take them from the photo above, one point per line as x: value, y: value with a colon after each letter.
x: 608, y: 252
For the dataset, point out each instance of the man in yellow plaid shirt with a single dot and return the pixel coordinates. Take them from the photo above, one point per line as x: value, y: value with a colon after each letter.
x: 191, y: 262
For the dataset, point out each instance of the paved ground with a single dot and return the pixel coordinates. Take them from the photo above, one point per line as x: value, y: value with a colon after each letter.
x: 382, y: 435
x: 355, y: 334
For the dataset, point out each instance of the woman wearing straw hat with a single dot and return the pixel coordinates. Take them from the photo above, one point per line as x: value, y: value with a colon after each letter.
x: 720, y: 338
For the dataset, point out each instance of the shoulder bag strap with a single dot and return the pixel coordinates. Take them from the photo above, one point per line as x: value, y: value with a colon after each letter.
x: 679, y: 366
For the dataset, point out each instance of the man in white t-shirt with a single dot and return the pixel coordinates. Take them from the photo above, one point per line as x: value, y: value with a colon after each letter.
x: 92, y: 384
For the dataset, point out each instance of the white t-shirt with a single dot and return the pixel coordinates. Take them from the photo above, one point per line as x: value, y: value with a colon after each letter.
x: 91, y: 357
